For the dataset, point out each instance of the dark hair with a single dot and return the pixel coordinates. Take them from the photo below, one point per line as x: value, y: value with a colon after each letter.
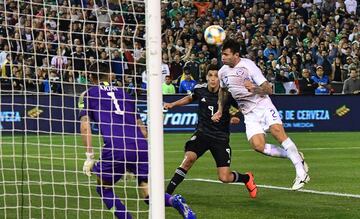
x: 212, y: 68
x: 99, y: 70
x: 231, y: 44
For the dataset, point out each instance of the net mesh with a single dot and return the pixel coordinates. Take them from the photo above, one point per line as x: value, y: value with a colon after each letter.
x: 46, y: 49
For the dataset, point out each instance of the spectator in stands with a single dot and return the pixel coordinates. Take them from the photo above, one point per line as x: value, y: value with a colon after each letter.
x: 283, y: 66
x: 316, y: 31
x: 118, y: 65
x: 270, y: 76
x: 280, y: 78
x: 351, y: 6
x: 18, y: 82
x: 353, y: 62
x: 167, y: 86
x: 322, y: 81
x: 202, y: 8
x: 193, y: 67
x: 175, y: 10
x: 324, y: 59
x: 6, y: 66
x: 269, y: 50
x: 306, y: 84
x: 78, y: 60
x: 165, y: 70
x: 176, y: 67
x: 352, y: 84
x: 59, y: 62
x: 91, y: 50
x: 218, y: 13
x: 187, y: 85
x: 336, y: 70
x: 186, y: 7
x: 4, y: 53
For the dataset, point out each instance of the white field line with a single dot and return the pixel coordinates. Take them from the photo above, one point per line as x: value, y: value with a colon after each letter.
x: 93, y: 182
x: 284, y: 188
x: 302, y: 149
x: 43, y: 155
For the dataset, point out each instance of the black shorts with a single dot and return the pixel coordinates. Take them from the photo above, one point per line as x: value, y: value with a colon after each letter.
x: 220, y: 149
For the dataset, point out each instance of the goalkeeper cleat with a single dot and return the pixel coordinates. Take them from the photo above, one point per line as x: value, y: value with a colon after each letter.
x: 299, y: 182
x: 251, y: 186
x: 306, y: 167
x: 184, y: 209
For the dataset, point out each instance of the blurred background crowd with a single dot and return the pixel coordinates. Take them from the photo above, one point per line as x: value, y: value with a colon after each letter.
x: 302, y: 47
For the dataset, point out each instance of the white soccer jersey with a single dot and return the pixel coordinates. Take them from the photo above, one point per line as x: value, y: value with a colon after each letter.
x: 234, y: 78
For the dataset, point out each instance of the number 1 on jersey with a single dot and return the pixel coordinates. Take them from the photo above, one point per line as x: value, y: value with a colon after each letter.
x: 118, y: 111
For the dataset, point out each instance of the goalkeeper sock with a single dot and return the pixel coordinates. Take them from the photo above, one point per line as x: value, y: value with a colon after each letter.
x: 113, y: 202
x: 168, y: 200
x: 178, y: 177
x: 238, y: 177
x: 274, y: 151
x: 294, y: 156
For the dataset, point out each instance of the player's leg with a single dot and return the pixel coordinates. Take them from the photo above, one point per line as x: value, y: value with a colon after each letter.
x: 180, y: 172
x: 258, y: 143
x: 194, y: 149
x: 106, y: 178
x: 227, y: 176
x: 277, y: 130
x: 255, y: 132
x: 175, y: 201
x: 221, y: 152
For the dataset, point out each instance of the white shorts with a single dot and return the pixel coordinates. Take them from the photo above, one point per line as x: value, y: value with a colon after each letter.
x: 259, y: 120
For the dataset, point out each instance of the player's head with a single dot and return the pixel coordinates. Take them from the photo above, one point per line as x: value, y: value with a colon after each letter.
x: 212, y: 76
x: 230, y: 52
x: 98, y: 72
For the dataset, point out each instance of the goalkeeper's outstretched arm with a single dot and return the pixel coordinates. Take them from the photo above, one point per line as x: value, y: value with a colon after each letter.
x: 85, y: 130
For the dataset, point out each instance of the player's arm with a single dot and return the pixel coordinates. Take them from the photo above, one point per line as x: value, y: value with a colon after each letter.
x: 258, y: 83
x: 183, y: 101
x: 86, y: 136
x: 234, y: 115
x: 264, y: 89
x: 142, y: 127
x: 223, y: 97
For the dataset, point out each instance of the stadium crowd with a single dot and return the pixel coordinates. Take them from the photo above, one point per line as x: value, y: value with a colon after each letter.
x: 306, y: 47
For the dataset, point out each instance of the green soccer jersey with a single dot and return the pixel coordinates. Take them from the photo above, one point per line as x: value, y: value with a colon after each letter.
x: 168, y: 89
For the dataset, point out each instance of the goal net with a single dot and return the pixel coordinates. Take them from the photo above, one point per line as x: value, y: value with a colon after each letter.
x: 46, y: 50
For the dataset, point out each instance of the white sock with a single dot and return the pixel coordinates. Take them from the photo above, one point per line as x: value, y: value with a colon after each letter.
x: 294, y: 156
x: 274, y: 151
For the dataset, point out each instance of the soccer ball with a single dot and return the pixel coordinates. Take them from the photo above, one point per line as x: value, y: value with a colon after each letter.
x: 214, y: 35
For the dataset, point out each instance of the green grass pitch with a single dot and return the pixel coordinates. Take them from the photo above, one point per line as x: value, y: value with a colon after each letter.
x: 43, y: 178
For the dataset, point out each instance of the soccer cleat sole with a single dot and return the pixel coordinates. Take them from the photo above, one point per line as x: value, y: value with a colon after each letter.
x: 301, y: 184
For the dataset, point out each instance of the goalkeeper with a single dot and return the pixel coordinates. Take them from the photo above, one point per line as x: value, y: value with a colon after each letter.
x: 210, y: 135
x: 125, y: 145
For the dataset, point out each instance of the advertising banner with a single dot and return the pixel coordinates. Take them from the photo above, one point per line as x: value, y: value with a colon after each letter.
x: 298, y: 113
x: 58, y: 114
x: 38, y: 114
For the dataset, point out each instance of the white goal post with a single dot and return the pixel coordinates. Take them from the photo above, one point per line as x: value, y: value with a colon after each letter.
x: 155, y: 109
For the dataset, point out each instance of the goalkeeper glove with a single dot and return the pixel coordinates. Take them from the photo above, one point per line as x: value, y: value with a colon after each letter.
x: 89, y: 163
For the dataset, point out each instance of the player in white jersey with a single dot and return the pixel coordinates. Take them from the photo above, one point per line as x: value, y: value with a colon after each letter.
x: 246, y: 83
